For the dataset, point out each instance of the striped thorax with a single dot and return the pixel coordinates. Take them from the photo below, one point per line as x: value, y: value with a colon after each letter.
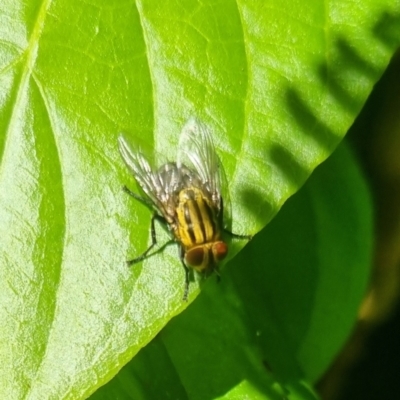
x: 199, y: 230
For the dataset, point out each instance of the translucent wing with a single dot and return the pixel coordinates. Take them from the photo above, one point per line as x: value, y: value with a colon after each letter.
x: 196, y: 150
x: 160, y: 186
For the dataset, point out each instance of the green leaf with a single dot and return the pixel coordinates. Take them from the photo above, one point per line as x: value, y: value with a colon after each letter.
x: 279, y: 87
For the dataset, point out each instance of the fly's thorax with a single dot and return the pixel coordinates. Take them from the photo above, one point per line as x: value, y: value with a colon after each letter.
x: 197, y: 221
x: 205, y: 257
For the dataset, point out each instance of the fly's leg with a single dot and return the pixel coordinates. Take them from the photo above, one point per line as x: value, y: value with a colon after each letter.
x: 153, y: 231
x: 153, y: 240
x: 231, y: 234
x: 143, y: 200
x: 217, y: 273
x: 236, y: 236
x: 181, y: 257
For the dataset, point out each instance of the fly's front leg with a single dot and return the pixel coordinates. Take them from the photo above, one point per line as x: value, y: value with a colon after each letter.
x: 182, y: 258
x: 153, y: 239
x: 217, y: 273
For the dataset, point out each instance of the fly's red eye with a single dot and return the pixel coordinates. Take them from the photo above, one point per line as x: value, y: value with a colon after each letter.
x: 220, y: 250
x: 195, y: 256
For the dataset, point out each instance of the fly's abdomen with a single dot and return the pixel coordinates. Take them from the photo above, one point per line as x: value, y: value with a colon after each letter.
x: 197, y: 220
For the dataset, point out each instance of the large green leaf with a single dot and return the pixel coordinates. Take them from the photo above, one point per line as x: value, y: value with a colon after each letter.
x: 278, y: 84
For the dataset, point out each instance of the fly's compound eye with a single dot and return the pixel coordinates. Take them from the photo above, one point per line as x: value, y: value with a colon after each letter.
x: 195, y: 256
x: 220, y: 250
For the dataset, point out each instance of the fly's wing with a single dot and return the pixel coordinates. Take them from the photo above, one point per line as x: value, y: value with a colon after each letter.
x: 196, y: 150
x: 141, y: 169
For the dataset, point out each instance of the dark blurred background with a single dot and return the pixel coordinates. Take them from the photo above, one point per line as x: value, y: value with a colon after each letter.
x: 369, y: 366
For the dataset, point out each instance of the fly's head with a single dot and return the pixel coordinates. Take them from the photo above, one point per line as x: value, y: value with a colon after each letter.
x: 204, y: 257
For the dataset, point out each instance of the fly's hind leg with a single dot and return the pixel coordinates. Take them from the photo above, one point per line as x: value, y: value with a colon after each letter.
x: 185, y: 267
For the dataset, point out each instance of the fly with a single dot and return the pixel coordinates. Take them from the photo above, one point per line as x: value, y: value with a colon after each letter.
x: 186, y: 196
